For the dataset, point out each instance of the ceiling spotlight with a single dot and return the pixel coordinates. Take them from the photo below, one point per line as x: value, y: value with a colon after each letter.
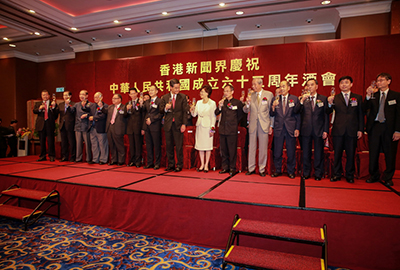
x: 12, y: 45
x: 70, y: 41
x: 37, y: 53
x: 325, y: 2
x: 258, y: 25
x: 179, y: 27
x: 74, y: 28
x: 148, y: 31
x: 221, y: 4
x: 239, y: 12
x: 5, y: 38
x: 32, y: 11
x: 62, y: 50
x: 93, y: 38
x: 128, y: 29
x: 116, y: 21
x: 37, y: 33
x: 164, y: 13
x: 309, y: 20
x: 119, y: 35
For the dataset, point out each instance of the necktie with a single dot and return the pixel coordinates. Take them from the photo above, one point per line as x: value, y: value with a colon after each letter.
x: 66, y: 107
x: 173, y: 101
x: 46, y: 113
x: 284, y: 105
x: 381, y: 113
x: 346, y: 99
x: 312, y: 103
x: 114, y: 115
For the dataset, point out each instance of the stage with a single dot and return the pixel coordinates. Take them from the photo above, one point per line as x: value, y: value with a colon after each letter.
x: 363, y: 219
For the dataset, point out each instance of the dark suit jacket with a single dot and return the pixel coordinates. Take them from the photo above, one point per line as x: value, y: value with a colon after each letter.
x: 179, y: 113
x: 230, y: 117
x: 52, y: 113
x: 152, y: 112
x: 316, y: 121
x: 67, y: 118
x: 99, y: 118
x: 290, y: 120
x: 392, y: 111
x: 348, y: 119
x: 120, y: 120
x: 82, y: 125
x: 134, y: 119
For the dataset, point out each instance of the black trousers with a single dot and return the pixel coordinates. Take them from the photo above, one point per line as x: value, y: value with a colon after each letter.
x: 153, y: 147
x: 318, y: 155
x: 228, y: 145
x: 68, y: 144
x: 348, y: 144
x: 117, y: 147
x: 135, y: 148
x: 174, y: 135
x: 47, y: 133
x: 380, y: 139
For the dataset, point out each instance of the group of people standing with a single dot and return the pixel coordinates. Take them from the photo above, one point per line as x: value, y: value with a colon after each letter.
x: 284, y: 115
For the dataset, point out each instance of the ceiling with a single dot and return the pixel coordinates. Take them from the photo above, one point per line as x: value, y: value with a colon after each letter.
x: 52, y: 21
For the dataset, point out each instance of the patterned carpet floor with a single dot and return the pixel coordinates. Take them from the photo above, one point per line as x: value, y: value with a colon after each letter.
x: 59, y: 244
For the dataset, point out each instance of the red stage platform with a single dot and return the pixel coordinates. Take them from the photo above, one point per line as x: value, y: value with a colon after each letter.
x: 363, y: 219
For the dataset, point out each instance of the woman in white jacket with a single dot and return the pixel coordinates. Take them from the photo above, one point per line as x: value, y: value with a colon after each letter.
x: 205, y: 125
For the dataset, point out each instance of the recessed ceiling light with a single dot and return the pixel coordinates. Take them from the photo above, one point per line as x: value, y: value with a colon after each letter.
x: 179, y: 27
x: 5, y: 38
x: 37, y: 53
x: 326, y: 2
x: 74, y: 28
x: 37, y: 33
x: 128, y: 29
x: 116, y: 21
x: 164, y: 13
x: 12, y: 45
x: 148, y: 31
x: 239, y: 12
x: 32, y: 11
x: 221, y: 4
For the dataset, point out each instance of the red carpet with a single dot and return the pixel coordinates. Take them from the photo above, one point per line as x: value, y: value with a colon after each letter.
x: 26, y: 167
x: 138, y: 170
x: 358, y: 184
x: 21, y: 159
x: 6, y: 162
x: 54, y: 173
x: 87, y: 166
x: 193, y: 173
x: 107, y: 179
x: 255, y: 178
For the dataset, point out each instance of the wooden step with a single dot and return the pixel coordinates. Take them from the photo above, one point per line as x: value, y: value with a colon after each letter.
x: 265, y: 259
x: 16, y: 212
x: 312, y: 235
x: 28, y: 193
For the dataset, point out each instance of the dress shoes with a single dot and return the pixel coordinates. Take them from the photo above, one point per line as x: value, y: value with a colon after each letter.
x: 206, y: 171
x: 199, y: 170
x: 372, y: 180
x: 156, y: 167
x: 121, y: 164
x: 350, y: 180
x: 131, y: 164
x: 112, y: 163
x: 72, y: 160
x: 138, y: 165
x: 52, y: 159
x: 291, y: 176
x: 389, y: 183
x: 178, y: 169
x: 262, y: 174
x: 276, y: 174
x: 250, y: 173
x: 169, y: 169
x: 317, y: 178
x: 335, y: 178
x: 305, y: 177
x: 223, y: 171
x: 77, y: 161
x: 91, y: 162
x: 148, y: 166
x: 102, y: 163
x: 232, y: 172
x: 42, y: 159
x: 63, y: 159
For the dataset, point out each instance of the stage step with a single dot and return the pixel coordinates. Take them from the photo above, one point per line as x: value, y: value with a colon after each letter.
x: 281, y: 231
x: 269, y: 259
x: 266, y: 259
x: 45, y: 201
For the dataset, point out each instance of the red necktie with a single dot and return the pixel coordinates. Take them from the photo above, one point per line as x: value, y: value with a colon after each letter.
x: 173, y: 101
x: 46, y: 113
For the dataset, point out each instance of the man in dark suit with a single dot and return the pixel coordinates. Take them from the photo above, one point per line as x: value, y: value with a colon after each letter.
x: 231, y: 111
x: 116, y: 128
x: 47, y: 113
x: 174, y: 107
x: 383, y: 127
x: 347, y: 127
x: 12, y: 139
x: 152, y: 128
x: 133, y: 112
x: 97, y: 126
x: 82, y: 131
x: 286, y: 128
x: 314, y: 127
x: 67, y: 125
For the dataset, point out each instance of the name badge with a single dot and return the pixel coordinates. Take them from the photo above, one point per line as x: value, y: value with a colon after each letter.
x: 154, y: 106
x: 392, y: 102
x: 121, y: 112
x: 291, y: 105
x: 353, y: 104
x: 320, y: 104
x: 234, y: 107
x: 263, y: 102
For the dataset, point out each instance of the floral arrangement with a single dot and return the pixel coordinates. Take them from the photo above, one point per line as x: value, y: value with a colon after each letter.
x: 353, y: 100
x: 23, y: 132
x: 264, y: 99
x: 152, y: 102
x: 291, y: 101
x: 318, y: 101
x: 212, y: 129
x: 98, y: 109
x: 229, y: 105
x: 119, y: 108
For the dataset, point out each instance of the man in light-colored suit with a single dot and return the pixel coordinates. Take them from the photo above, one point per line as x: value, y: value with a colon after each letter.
x: 259, y: 105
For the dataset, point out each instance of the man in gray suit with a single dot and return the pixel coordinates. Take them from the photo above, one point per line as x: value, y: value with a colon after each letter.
x: 82, y: 126
x: 258, y: 105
